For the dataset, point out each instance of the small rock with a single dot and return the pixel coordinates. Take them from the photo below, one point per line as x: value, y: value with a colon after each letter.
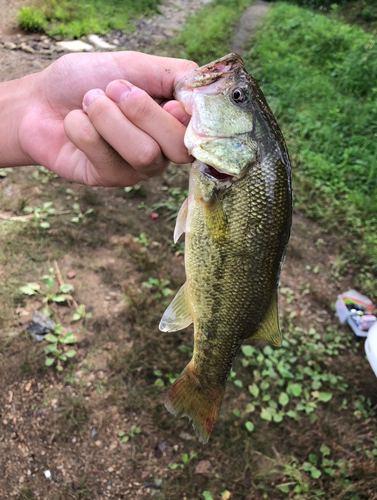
x: 98, y: 443
x: 26, y: 48
x: 10, y: 45
x: 94, y: 433
x: 186, y: 436
x: 22, y: 312
x: 203, y: 467
x: 100, y: 43
x: 75, y: 46
x: 47, y: 474
x: 71, y: 275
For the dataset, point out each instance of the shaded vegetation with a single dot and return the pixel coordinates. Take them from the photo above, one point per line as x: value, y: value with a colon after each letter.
x: 208, y: 32
x: 74, y: 19
x: 321, y: 78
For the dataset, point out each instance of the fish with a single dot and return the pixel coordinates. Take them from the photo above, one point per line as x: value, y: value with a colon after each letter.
x: 237, y: 221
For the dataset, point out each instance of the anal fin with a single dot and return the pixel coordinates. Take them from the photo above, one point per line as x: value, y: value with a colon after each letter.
x: 269, y: 329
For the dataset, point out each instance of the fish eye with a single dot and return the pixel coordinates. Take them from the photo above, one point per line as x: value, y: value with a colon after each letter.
x: 238, y: 95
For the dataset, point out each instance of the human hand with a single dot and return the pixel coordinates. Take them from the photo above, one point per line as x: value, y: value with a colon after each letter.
x: 124, y: 135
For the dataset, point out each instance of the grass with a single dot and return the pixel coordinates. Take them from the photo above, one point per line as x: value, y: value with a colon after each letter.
x: 207, y: 33
x: 74, y: 19
x: 320, y: 76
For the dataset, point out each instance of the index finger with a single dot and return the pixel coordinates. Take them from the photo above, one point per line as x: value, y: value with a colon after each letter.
x: 156, y: 75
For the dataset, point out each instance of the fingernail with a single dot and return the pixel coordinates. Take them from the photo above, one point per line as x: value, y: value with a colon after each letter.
x: 90, y: 96
x: 118, y: 90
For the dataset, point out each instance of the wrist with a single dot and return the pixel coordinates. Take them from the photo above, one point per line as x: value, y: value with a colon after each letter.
x: 16, y: 98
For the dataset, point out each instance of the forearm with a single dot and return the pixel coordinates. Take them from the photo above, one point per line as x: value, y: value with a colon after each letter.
x: 15, y: 98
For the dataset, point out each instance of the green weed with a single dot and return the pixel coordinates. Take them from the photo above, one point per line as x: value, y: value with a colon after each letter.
x: 293, y: 380
x: 56, y: 353
x: 51, y: 292
x: 41, y: 214
x: 207, y: 32
x: 31, y: 19
x: 321, y: 77
x: 74, y: 19
x: 159, y: 288
x: 80, y: 216
x: 134, y: 430
x: 81, y: 313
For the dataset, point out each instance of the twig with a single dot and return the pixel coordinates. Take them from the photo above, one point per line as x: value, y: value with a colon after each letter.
x: 61, y: 282
x: 28, y: 216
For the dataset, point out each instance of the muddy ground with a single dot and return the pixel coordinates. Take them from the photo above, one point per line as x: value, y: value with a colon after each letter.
x: 59, y: 432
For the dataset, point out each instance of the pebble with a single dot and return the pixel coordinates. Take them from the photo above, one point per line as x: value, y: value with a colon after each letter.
x: 47, y: 474
x: 75, y: 46
x: 100, y: 43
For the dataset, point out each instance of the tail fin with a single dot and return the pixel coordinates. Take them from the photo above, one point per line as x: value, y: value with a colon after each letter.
x: 188, y: 398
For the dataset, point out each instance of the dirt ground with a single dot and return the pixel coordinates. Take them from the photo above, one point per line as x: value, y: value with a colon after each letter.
x: 59, y: 432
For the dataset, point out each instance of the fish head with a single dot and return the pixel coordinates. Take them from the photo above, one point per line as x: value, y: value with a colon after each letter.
x: 219, y: 96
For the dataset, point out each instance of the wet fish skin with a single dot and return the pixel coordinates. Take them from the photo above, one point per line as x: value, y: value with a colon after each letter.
x: 237, y: 222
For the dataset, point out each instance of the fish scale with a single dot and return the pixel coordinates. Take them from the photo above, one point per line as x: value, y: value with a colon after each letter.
x: 236, y: 221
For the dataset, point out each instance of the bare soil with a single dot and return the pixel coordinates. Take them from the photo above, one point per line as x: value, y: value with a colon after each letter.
x: 59, y: 431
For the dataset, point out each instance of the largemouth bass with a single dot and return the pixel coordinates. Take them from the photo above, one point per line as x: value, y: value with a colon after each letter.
x: 237, y: 221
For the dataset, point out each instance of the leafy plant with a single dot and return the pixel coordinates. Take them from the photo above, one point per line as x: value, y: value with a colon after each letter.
x: 42, y: 213
x: 142, y: 239
x: 185, y: 459
x: 134, y: 430
x: 159, y: 287
x: 170, y: 378
x: 294, y: 379
x: 51, y: 292
x: 56, y: 352
x: 81, y: 313
x: 172, y: 203
x: 79, y: 215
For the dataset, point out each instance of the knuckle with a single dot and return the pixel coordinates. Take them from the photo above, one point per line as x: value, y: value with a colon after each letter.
x: 88, y: 134
x: 147, y: 155
x: 141, y: 108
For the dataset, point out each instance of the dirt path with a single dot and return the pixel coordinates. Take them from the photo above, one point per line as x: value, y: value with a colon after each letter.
x: 8, y: 16
x: 246, y: 27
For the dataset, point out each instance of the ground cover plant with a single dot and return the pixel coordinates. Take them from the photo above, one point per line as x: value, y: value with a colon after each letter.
x: 74, y: 19
x: 208, y: 32
x: 321, y: 78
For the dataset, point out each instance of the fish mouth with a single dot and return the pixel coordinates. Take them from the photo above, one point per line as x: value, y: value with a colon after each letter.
x: 211, y: 172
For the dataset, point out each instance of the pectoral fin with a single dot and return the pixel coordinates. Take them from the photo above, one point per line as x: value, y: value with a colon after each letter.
x: 180, y: 225
x: 177, y: 316
x: 269, y: 328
